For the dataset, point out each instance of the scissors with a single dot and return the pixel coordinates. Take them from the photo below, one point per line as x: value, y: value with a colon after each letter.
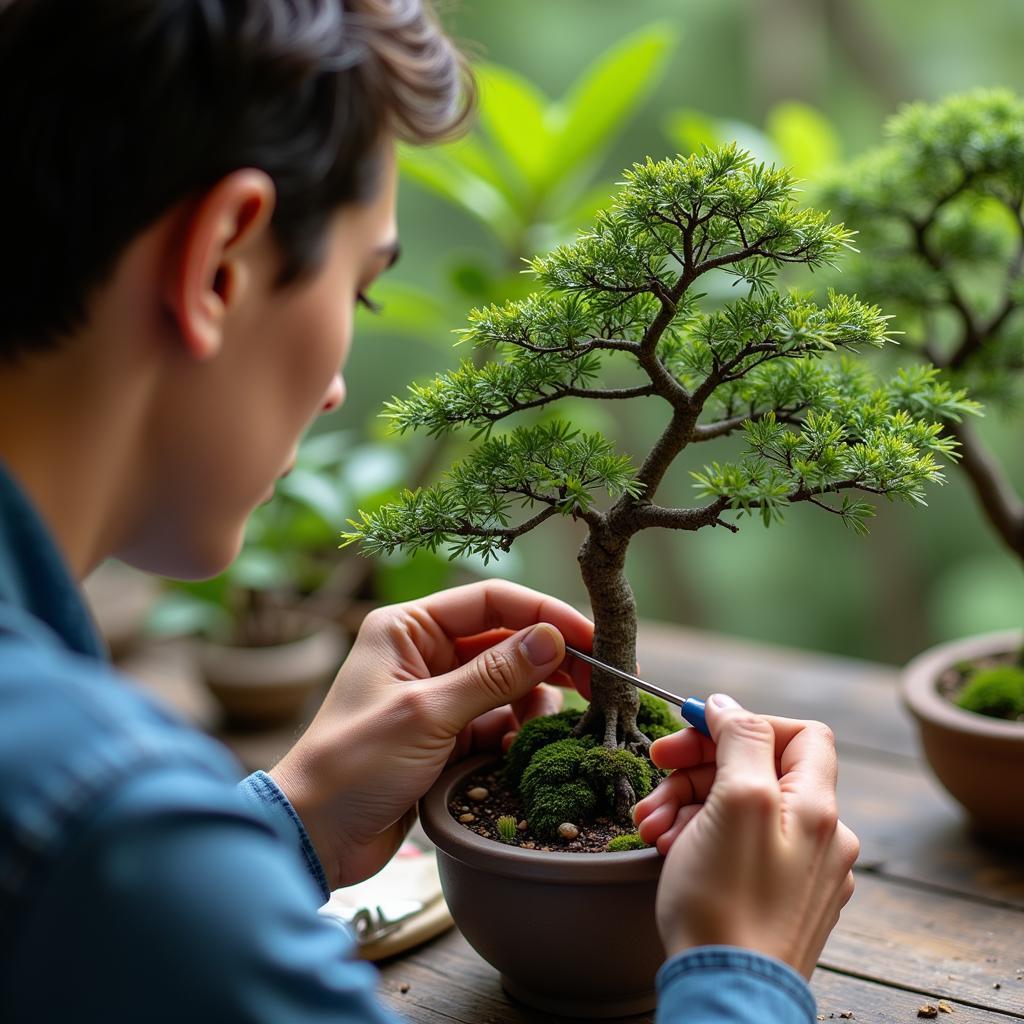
x: 690, y: 708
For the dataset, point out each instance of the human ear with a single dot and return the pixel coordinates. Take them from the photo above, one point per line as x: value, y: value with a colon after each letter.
x: 211, y: 265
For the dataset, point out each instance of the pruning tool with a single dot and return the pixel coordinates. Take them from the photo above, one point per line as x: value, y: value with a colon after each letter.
x: 690, y: 708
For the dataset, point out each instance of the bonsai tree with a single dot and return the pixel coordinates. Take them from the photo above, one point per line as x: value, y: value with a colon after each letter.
x: 940, y: 208
x: 815, y: 430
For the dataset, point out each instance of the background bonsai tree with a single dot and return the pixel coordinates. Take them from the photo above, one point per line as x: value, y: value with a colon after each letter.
x: 815, y: 430
x: 940, y: 208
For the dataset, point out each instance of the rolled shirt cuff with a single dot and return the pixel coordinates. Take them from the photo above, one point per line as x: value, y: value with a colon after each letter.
x: 718, y: 984
x: 263, y: 793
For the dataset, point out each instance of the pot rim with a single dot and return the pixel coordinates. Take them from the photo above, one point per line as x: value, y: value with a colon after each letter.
x: 462, y: 844
x: 923, y: 700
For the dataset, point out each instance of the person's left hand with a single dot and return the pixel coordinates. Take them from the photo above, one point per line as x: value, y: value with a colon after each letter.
x: 425, y: 681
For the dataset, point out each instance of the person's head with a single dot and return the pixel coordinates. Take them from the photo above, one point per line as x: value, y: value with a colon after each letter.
x: 194, y: 194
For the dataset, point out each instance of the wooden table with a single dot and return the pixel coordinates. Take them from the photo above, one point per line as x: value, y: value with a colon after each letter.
x: 935, y: 916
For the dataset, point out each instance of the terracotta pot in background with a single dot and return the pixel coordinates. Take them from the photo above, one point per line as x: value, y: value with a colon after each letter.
x: 572, y: 934
x: 979, y: 759
x: 270, y: 685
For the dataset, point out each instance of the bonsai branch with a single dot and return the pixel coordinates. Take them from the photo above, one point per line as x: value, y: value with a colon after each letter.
x: 709, y: 431
x: 999, y: 500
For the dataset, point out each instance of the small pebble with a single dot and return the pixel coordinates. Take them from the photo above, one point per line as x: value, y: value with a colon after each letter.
x: 944, y: 1007
x: 997, y: 985
x: 567, y: 830
x: 927, y: 1011
x: 821, y: 1016
x: 523, y: 825
x: 847, y: 1014
x: 477, y: 793
x: 467, y: 818
x: 404, y: 987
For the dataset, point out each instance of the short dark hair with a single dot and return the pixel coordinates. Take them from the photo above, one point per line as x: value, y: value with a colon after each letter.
x: 111, y: 111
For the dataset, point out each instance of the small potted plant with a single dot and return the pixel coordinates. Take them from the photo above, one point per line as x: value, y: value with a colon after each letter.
x: 940, y: 212
x: 816, y: 429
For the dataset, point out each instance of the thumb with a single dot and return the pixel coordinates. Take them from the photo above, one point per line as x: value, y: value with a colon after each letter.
x: 502, y: 673
x: 745, y: 751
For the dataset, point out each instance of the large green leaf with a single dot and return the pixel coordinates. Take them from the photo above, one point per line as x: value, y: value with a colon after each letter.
x: 437, y: 171
x: 514, y: 113
x: 604, y: 96
x: 806, y: 140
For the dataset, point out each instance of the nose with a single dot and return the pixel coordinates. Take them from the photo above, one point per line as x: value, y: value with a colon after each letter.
x: 335, y: 394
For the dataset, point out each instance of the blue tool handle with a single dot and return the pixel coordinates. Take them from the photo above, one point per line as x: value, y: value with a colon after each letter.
x: 693, y: 711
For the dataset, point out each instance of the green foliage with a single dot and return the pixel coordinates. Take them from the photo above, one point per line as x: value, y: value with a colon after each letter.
x: 533, y: 157
x: 624, y: 288
x: 604, y: 768
x: 997, y: 692
x: 506, y: 828
x: 654, y: 717
x: 549, y: 464
x: 939, y: 210
x: 532, y: 735
x: 555, y: 789
x: 574, y: 779
x: 629, y: 841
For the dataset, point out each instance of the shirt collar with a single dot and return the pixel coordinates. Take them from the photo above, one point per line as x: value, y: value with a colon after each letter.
x: 34, y: 576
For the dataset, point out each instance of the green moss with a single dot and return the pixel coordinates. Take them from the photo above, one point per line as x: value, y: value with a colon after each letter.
x: 997, y: 692
x: 554, y: 789
x: 603, y: 767
x: 630, y: 841
x: 572, y: 780
x: 655, y: 718
x: 535, y: 734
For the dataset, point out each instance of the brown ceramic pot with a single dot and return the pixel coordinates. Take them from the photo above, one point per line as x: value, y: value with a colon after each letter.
x: 259, y: 687
x: 980, y: 760
x: 572, y: 934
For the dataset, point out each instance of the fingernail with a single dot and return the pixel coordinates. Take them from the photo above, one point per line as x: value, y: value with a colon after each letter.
x: 723, y: 700
x: 540, y: 645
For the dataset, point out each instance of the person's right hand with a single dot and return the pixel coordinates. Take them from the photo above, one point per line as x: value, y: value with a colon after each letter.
x: 756, y: 855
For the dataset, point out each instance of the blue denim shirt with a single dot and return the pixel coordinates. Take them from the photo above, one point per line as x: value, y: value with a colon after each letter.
x: 142, y: 879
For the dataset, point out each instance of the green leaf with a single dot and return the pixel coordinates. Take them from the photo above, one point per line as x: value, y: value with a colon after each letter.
x: 806, y: 140
x: 513, y: 113
x: 436, y: 171
x: 409, y: 310
x: 314, y: 491
x: 605, y: 96
x: 691, y: 130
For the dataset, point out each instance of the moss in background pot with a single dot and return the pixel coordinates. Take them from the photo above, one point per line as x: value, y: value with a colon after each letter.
x: 996, y: 692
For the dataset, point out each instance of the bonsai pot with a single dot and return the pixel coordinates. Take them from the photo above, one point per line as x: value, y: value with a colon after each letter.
x: 271, y: 684
x: 979, y: 759
x: 572, y: 934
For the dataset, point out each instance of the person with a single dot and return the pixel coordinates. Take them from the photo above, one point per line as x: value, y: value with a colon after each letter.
x: 196, y: 193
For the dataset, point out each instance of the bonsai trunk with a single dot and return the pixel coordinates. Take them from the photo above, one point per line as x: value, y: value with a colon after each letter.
x: 611, y: 716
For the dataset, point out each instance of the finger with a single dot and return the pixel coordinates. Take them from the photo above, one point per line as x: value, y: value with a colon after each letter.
x: 686, y: 814
x: 492, y: 604
x: 486, y: 732
x: 658, y: 821
x: 746, y: 780
x: 541, y: 700
x: 809, y: 769
x: 683, y: 749
x: 500, y: 675
x: 571, y: 674
x: 680, y: 788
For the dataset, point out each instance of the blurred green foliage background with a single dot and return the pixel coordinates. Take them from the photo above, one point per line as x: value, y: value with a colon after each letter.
x: 572, y: 92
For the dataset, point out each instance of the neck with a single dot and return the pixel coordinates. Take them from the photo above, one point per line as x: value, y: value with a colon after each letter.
x: 70, y: 433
